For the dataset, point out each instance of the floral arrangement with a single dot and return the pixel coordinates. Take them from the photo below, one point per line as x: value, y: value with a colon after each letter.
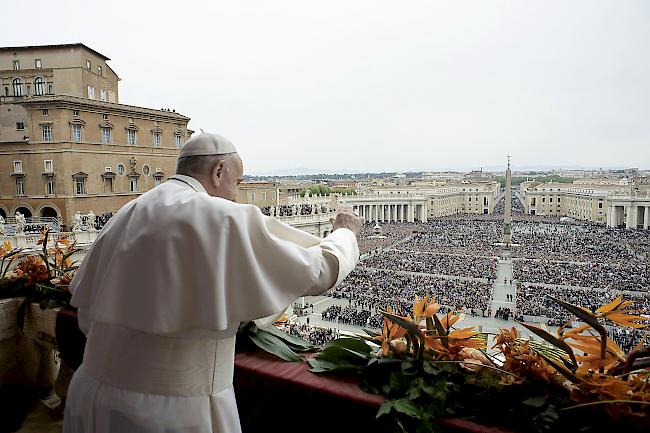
x: 577, y: 379
x: 43, y: 278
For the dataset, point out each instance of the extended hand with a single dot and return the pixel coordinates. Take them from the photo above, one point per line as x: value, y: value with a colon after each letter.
x: 347, y: 219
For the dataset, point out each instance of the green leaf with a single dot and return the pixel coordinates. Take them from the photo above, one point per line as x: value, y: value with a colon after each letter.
x: 274, y: 346
x: 431, y: 368
x: 397, y: 381
x: 405, y: 406
x: 414, y: 392
x: 296, y: 343
x: 350, y: 343
x: 537, y: 401
x: 322, y: 366
x: 343, y: 355
x: 560, y: 344
x: 385, y: 408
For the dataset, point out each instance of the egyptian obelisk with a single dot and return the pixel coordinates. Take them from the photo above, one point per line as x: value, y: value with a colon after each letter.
x: 507, y: 214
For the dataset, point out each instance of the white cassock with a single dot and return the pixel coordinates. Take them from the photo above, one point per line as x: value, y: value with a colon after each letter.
x: 161, y: 294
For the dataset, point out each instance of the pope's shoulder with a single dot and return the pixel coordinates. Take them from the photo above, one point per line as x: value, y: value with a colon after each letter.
x: 184, y: 200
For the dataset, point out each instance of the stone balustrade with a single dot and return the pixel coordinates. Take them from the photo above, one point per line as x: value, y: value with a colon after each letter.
x: 30, y: 242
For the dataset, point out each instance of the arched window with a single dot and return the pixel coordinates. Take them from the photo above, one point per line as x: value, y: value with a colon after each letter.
x: 39, y: 86
x: 18, y: 87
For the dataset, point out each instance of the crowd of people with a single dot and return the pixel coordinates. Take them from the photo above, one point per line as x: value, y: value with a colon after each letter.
x: 516, y: 207
x: 315, y: 335
x: 391, y: 233
x: 629, y: 276
x: 285, y: 210
x: 534, y: 300
x: 503, y: 313
x: 403, y: 259
x: 35, y: 228
x: 101, y: 220
x: 628, y: 338
x: 475, y: 237
x: 376, y: 290
x: 347, y: 315
x: 582, y: 242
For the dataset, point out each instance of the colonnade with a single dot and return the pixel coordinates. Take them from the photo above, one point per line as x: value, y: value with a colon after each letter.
x: 391, y: 212
x: 628, y: 215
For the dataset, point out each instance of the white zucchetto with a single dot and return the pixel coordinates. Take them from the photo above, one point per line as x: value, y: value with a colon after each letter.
x: 207, y: 144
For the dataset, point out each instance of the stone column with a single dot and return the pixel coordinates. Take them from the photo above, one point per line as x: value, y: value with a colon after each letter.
x: 628, y: 218
x: 646, y: 218
x: 610, y: 216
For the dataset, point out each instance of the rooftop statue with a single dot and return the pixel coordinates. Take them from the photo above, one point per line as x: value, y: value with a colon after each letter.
x: 76, y: 222
x: 20, y: 223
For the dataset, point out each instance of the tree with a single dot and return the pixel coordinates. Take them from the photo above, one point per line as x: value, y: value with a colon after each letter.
x: 316, y: 189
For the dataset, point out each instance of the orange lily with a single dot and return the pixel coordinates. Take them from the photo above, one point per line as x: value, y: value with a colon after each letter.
x: 590, y: 345
x: 449, y: 320
x: 423, y: 308
x: 389, y: 332
x: 617, y: 311
x: 467, y: 337
x: 43, y: 233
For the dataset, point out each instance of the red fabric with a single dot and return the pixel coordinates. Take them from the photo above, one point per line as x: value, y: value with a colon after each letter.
x: 271, y: 392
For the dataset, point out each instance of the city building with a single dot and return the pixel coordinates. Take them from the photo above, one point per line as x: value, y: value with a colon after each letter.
x: 260, y: 194
x: 618, y: 203
x: 66, y: 142
x: 419, y: 201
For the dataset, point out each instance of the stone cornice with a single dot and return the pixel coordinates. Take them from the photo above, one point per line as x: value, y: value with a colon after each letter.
x: 74, y: 102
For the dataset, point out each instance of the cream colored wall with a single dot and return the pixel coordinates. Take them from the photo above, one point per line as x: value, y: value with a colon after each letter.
x: 245, y: 194
x: 91, y: 132
x: 10, y: 114
x: 572, y: 203
x: 64, y: 67
x: 88, y: 156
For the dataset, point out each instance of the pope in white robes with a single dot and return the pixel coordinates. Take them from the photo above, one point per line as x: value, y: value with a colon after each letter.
x: 165, y: 285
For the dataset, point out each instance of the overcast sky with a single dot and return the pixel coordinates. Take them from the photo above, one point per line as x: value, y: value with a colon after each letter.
x: 378, y: 85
